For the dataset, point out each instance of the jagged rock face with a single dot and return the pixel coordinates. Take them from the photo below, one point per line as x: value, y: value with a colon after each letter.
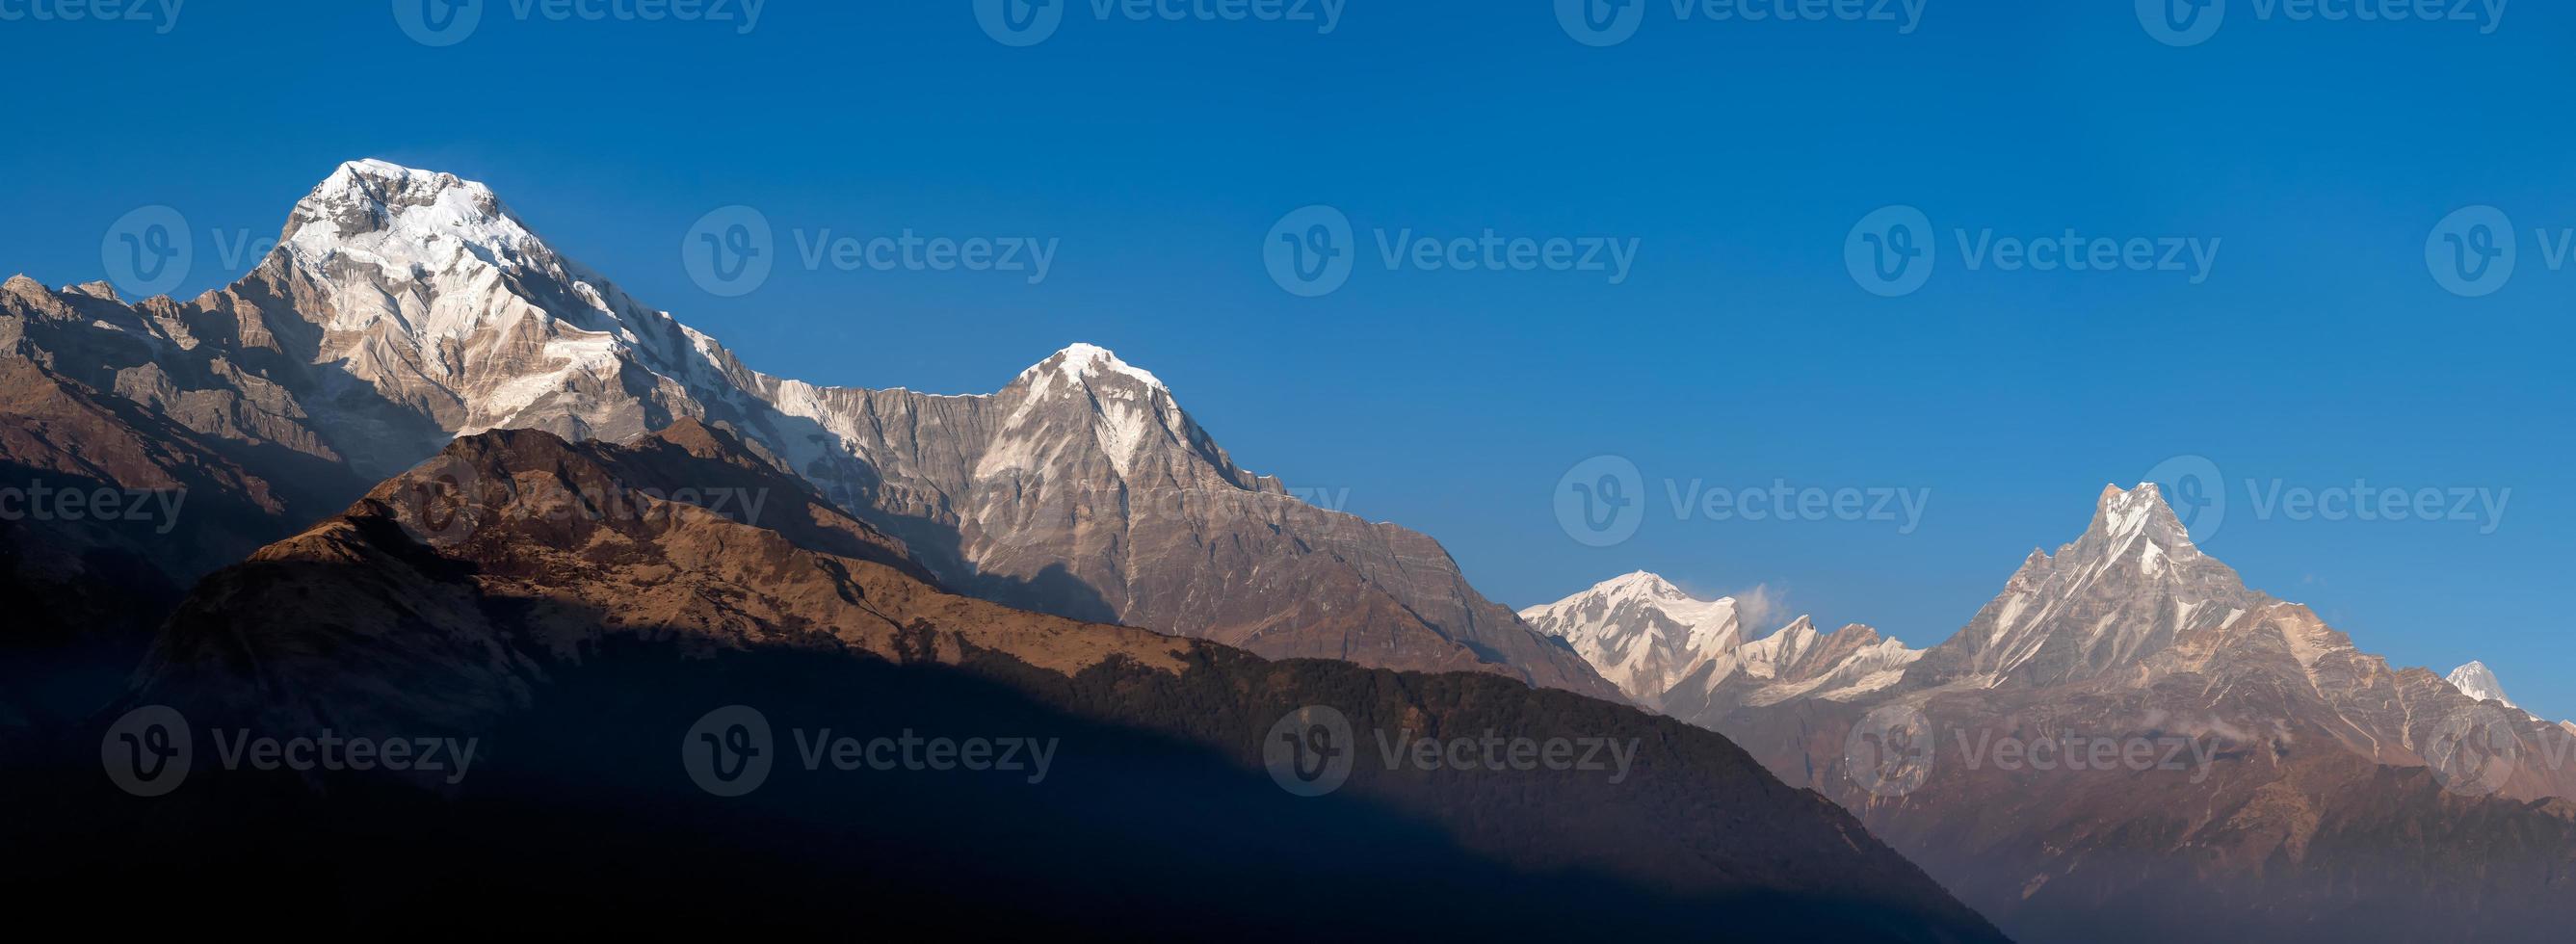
x: 1796, y: 662
x: 518, y: 576
x: 1083, y: 489
x: 2332, y: 799
x: 107, y: 512
x: 1690, y: 658
x: 1641, y: 632
x: 403, y: 308
x: 2128, y: 588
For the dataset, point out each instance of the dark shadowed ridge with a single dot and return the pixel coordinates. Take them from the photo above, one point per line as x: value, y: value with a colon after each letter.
x: 536, y: 595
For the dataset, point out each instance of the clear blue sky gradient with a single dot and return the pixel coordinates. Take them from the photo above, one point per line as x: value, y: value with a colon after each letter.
x: 1740, y: 155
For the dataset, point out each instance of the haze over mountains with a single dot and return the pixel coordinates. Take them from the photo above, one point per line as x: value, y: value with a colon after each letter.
x: 2313, y: 790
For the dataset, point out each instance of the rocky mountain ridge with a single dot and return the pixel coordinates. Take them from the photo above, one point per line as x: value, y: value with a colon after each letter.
x: 403, y: 308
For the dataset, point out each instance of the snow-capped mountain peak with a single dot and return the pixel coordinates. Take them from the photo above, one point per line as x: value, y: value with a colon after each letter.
x: 2141, y: 514
x: 405, y: 221
x: 1080, y: 362
x: 1642, y: 632
x: 2128, y: 587
x: 2477, y: 681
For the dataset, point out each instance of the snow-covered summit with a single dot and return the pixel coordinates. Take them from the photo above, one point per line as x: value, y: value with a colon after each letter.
x: 1642, y: 632
x: 1081, y: 362
x: 405, y: 221
x: 2477, y: 681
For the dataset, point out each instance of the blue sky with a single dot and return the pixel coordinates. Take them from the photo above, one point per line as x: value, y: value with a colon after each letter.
x: 2315, y: 349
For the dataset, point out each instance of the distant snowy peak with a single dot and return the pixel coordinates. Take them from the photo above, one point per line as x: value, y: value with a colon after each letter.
x: 2124, y: 590
x: 2477, y: 681
x: 1641, y: 632
x: 1801, y: 661
x: 1085, y: 401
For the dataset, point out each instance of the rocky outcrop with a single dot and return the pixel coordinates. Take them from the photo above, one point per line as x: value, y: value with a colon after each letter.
x: 559, y: 604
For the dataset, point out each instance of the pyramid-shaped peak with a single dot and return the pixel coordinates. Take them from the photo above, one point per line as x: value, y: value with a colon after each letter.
x: 2477, y: 681
x: 2141, y: 510
x: 398, y: 218
x: 1081, y: 362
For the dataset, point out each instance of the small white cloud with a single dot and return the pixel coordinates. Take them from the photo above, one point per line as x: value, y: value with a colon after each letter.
x: 1761, y: 608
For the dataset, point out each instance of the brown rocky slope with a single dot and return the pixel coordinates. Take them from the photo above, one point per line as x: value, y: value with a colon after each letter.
x: 535, y: 594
